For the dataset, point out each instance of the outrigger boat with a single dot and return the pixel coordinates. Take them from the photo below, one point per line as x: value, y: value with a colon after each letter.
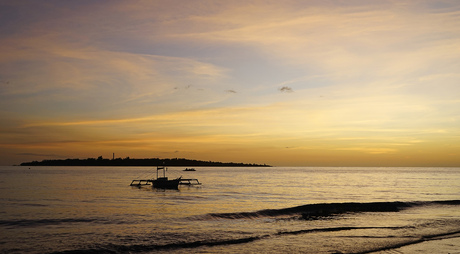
x: 189, y: 169
x: 164, y: 182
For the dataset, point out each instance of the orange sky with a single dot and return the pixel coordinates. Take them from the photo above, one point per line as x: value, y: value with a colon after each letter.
x: 286, y: 83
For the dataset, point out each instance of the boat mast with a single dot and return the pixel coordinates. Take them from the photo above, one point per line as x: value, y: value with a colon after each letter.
x: 164, y: 171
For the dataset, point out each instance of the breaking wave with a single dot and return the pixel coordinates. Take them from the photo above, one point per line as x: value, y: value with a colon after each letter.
x: 312, y: 211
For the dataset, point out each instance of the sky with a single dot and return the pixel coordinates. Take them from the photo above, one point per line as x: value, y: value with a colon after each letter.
x: 286, y: 83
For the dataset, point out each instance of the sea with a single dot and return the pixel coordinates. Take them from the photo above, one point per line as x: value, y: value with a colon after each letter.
x: 235, y: 210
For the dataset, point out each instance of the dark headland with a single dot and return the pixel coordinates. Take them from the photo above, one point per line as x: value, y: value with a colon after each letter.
x: 179, y: 162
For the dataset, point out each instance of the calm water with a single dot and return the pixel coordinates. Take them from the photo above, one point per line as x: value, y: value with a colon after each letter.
x: 312, y: 210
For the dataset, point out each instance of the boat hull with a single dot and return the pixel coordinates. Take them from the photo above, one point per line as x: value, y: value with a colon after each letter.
x: 164, y: 183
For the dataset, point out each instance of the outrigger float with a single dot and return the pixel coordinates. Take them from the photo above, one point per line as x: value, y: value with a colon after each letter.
x: 164, y: 182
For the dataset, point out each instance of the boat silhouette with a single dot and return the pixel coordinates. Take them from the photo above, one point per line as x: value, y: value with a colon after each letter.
x: 164, y: 182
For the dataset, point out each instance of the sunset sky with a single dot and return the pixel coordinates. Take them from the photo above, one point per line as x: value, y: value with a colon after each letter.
x: 286, y: 83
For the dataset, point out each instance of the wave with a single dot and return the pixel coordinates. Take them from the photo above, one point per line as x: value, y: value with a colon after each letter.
x: 447, y: 235
x: 113, y: 248
x: 313, y: 211
x: 44, y: 222
x: 205, y: 243
x: 335, y: 229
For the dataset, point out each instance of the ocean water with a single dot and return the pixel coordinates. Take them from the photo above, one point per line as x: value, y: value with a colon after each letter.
x: 235, y: 210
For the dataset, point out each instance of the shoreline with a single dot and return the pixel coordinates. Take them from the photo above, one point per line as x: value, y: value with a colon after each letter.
x: 448, y: 243
x: 131, y: 162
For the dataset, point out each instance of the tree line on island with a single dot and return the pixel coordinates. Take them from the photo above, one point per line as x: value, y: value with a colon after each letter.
x: 180, y: 162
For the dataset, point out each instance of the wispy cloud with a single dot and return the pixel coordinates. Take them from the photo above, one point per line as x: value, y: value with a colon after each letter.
x: 41, y: 155
x: 370, y: 150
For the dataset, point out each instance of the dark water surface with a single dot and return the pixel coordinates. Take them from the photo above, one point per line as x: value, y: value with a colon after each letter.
x: 236, y: 210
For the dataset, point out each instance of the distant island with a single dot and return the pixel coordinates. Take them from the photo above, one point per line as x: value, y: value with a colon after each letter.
x: 179, y: 162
